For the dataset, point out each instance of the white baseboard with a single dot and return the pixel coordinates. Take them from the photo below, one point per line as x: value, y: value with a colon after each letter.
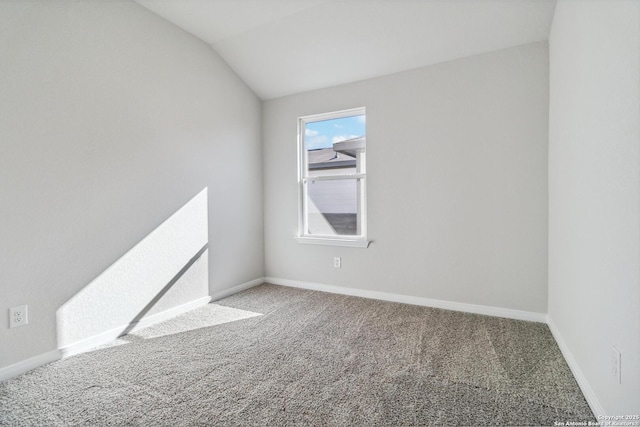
x: 238, y: 288
x: 407, y: 299
x: 112, y: 334
x: 28, y: 364
x: 587, y: 391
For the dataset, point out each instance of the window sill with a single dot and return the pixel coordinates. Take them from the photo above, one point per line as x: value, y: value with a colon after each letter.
x: 353, y: 243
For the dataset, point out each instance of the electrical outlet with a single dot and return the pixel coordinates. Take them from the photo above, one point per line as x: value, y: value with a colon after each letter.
x: 615, y: 364
x: 18, y: 316
x: 337, y: 262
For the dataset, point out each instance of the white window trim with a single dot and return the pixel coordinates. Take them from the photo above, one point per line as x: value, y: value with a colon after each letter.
x: 359, y: 241
x: 331, y: 241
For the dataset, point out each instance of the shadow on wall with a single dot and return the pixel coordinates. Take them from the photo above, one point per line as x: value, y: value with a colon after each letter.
x: 162, y: 272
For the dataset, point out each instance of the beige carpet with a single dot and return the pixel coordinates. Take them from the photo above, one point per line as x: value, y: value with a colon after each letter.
x: 280, y: 356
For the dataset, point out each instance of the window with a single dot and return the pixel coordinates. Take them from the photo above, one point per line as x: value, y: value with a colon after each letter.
x: 332, y: 178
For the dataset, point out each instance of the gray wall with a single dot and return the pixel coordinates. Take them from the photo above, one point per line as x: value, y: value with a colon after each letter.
x: 112, y: 119
x: 594, y: 193
x: 457, y: 182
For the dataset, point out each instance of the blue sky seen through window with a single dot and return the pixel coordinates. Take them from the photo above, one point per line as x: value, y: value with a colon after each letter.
x: 325, y: 133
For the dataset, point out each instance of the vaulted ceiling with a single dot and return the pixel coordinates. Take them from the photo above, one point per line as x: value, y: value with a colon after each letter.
x: 282, y: 47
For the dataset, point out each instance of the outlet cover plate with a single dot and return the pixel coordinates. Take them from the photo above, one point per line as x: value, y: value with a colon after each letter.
x: 18, y: 316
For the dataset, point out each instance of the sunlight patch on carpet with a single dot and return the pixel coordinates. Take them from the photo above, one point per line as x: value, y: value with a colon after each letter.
x: 203, y: 317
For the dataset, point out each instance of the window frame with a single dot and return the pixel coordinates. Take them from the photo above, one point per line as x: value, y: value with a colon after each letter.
x: 358, y: 240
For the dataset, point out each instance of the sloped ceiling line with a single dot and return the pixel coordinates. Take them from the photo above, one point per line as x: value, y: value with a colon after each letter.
x: 282, y: 47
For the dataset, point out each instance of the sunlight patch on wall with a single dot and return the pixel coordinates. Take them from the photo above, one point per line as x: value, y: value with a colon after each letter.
x: 155, y: 275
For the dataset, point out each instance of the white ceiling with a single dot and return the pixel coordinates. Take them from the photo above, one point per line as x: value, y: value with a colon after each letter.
x: 281, y: 47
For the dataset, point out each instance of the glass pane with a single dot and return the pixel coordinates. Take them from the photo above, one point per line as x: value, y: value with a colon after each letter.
x: 332, y: 207
x: 335, y: 146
